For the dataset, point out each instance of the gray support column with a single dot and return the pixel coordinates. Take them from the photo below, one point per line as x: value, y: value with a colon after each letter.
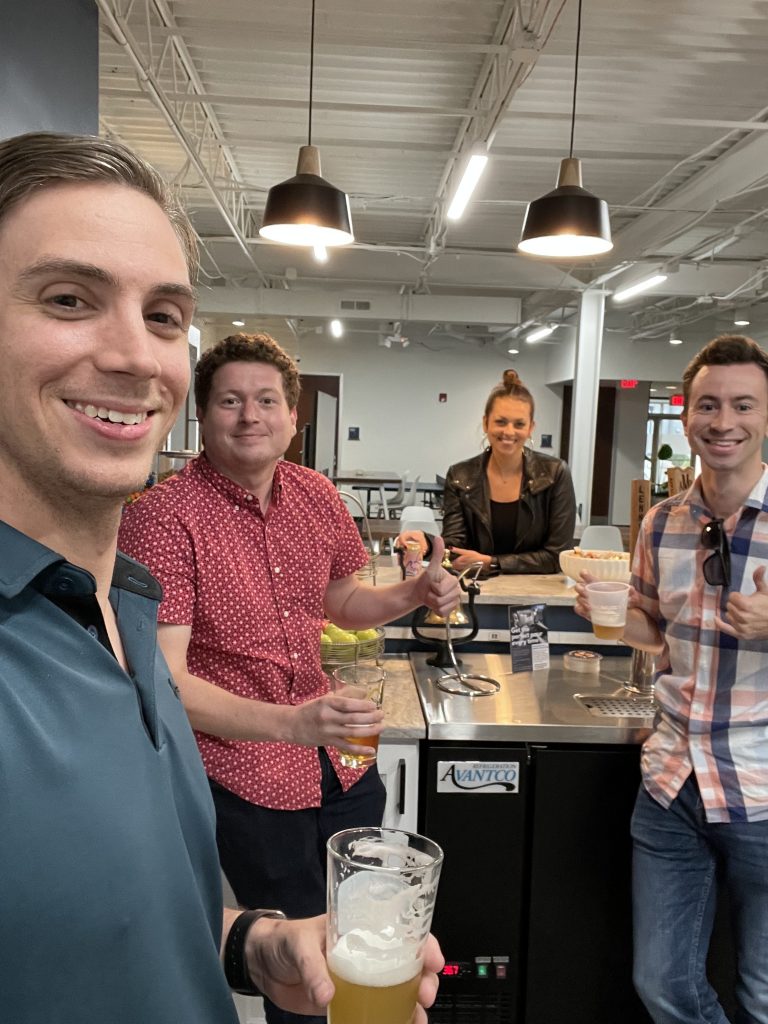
x: 586, y: 385
x: 49, y: 66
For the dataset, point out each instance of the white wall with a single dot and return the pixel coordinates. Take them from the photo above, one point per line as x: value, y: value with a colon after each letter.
x: 392, y: 396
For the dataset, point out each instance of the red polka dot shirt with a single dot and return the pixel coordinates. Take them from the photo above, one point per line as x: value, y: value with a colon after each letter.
x: 252, y: 588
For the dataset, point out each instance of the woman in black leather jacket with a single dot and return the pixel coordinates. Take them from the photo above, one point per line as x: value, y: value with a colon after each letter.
x: 510, y: 507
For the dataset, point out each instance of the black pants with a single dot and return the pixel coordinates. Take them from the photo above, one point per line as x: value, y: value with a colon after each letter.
x: 277, y: 858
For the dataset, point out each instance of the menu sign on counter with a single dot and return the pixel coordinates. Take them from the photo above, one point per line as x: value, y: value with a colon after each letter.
x: 528, y: 638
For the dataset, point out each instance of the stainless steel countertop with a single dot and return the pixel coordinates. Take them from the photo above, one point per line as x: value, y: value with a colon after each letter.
x: 530, y: 706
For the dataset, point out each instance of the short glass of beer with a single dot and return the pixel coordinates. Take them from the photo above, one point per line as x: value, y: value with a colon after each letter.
x: 382, y: 885
x: 363, y: 682
x: 608, y: 609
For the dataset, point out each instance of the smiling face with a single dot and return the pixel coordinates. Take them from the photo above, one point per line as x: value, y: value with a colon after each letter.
x: 508, y: 426
x: 247, y: 425
x: 727, y: 419
x: 95, y: 305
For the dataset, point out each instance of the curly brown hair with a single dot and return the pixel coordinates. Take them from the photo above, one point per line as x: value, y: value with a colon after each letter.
x: 511, y: 387
x: 246, y: 348
x: 725, y: 350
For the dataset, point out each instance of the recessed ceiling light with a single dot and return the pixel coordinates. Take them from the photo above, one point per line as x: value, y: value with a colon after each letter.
x: 675, y: 341
x: 238, y: 323
x: 514, y: 351
x: 670, y: 387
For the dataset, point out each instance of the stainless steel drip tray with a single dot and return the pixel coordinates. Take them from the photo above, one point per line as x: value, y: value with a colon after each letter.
x: 548, y: 705
x: 616, y: 706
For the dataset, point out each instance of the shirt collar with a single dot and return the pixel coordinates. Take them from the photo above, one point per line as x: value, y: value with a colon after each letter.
x: 757, y: 498
x: 25, y: 561
x: 227, y: 486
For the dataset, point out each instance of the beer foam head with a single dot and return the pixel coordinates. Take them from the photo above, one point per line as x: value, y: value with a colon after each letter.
x: 365, y: 958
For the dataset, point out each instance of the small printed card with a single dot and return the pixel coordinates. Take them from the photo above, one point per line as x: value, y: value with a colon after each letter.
x: 528, y: 640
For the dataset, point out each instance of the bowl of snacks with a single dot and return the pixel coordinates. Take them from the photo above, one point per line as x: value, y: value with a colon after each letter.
x: 340, y: 646
x: 603, y: 565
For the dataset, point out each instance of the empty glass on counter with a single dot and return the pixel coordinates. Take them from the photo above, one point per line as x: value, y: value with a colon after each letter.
x: 382, y: 885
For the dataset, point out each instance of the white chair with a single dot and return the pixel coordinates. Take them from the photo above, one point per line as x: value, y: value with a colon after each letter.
x: 601, y: 538
x: 409, y: 497
x: 380, y: 508
x: 419, y: 517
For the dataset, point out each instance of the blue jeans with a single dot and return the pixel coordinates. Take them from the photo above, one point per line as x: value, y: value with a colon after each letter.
x: 678, y: 861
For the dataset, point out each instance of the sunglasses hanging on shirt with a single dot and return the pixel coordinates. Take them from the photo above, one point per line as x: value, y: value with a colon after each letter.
x: 717, y: 566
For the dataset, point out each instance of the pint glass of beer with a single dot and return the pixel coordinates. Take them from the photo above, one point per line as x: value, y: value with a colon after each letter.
x: 608, y: 609
x: 382, y: 885
x: 363, y: 682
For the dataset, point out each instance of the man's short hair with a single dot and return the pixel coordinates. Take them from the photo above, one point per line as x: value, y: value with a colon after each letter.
x: 726, y: 350
x: 38, y: 160
x: 246, y: 348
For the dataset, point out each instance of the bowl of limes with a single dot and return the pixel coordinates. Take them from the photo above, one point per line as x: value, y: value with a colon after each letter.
x: 340, y: 646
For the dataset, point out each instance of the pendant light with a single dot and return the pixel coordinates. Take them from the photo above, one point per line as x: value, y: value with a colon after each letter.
x: 568, y: 222
x: 306, y: 209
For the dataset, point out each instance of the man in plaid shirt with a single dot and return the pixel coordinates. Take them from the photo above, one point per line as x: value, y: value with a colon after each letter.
x: 700, y: 601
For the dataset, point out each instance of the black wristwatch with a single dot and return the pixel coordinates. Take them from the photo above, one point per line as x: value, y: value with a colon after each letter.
x: 235, y: 967
x: 495, y: 565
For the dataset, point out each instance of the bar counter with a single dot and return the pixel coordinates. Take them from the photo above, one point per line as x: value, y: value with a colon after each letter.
x: 510, y: 589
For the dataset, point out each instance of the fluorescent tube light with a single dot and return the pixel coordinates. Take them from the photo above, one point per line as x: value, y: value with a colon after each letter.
x: 337, y: 328
x: 462, y: 195
x: 539, y: 333
x: 641, y: 286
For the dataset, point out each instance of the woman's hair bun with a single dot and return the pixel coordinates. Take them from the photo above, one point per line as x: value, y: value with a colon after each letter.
x: 511, y: 379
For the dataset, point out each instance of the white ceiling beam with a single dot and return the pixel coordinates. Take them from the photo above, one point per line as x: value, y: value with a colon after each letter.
x: 273, y: 102
x: 741, y: 168
x: 465, y: 309
x: 239, y: 36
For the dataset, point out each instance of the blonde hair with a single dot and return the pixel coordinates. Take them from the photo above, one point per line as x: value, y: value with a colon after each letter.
x: 38, y: 160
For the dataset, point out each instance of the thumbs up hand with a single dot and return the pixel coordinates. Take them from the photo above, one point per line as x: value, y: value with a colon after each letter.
x: 748, y: 614
x: 436, y: 588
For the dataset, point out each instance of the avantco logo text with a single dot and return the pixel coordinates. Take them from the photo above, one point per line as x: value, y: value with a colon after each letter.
x: 478, y: 776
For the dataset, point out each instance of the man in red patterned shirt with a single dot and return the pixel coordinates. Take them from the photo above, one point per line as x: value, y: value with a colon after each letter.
x: 252, y: 552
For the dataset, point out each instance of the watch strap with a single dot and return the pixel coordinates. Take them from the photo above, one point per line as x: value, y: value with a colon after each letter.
x: 235, y: 967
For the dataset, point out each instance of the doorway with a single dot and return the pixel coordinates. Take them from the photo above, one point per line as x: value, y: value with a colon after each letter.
x: 602, y: 464
x: 317, y: 423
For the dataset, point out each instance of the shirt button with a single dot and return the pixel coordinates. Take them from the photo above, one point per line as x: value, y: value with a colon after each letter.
x: 249, y: 498
x: 64, y: 585
x: 277, y: 568
x: 93, y: 631
x: 286, y: 614
x: 294, y: 654
x: 237, y: 508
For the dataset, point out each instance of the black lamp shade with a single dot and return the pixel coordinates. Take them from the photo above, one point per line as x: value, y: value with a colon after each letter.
x: 306, y: 209
x: 567, y: 222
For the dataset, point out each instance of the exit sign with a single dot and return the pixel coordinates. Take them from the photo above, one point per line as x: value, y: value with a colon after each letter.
x: 676, y: 400
x: 627, y: 384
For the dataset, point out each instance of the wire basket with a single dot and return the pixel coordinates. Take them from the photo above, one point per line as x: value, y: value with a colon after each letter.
x: 334, y: 654
x: 368, y: 571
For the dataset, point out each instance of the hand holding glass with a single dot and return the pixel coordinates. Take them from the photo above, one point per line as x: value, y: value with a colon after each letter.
x: 382, y: 886
x: 363, y: 682
x: 608, y: 609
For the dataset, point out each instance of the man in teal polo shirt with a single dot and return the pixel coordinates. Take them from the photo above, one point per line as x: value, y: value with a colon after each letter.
x: 110, y: 901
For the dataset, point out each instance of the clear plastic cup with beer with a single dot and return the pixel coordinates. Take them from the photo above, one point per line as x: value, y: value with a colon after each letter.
x: 608, y: 608
x: 362, y: 681
x: 382, y: 885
